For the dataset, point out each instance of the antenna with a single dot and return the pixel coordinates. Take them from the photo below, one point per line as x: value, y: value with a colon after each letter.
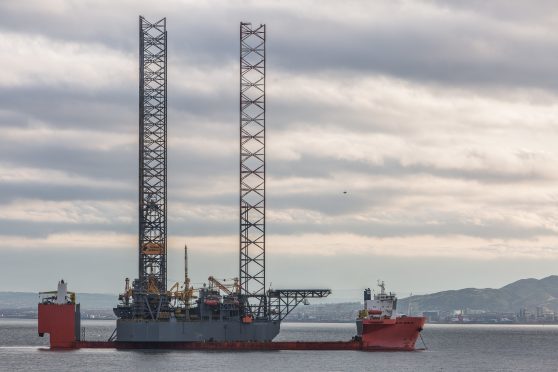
x: 186, y: 278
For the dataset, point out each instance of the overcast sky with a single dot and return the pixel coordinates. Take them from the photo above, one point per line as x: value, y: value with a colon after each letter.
x: 437, y: 117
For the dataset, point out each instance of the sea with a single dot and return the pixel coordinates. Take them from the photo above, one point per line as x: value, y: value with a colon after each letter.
x: 446, y: 348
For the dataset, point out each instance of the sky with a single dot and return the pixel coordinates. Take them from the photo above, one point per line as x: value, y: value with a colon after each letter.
x: 438, y: 119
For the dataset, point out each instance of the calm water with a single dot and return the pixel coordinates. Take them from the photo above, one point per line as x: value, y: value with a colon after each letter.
x: 450, y: 348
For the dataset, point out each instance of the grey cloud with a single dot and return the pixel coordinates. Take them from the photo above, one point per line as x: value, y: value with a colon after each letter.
x: 44, y: 229
x: 112, y: 110
x: 190, y: 227
x: 447, y: 225
x: 324, y: 167
x: 521, y: 11
x: 43, y: 191
x: 469, y: 53
x: 66, y: 107
x: 440, y: 50
x: 115, y: 165
x: 450, y: 227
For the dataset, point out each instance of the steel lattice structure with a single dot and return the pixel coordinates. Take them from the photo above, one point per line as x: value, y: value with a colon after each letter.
x: 283, y: 301
x: 153, y: 156
x: 252, y: 167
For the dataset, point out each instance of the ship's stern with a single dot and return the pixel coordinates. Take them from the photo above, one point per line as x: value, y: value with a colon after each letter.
x: 59, y: 316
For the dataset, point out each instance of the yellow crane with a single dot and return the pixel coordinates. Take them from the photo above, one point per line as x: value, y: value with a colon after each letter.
x: 185, y: 292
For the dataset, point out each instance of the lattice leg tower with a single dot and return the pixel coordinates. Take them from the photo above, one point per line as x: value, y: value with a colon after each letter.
x: 153, y: 157
x: 252, y: 167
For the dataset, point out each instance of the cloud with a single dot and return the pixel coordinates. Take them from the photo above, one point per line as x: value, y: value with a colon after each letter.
x: 447, y: 42
x: 311, y: 245
x: 436, y: 118
x: 91, y: 66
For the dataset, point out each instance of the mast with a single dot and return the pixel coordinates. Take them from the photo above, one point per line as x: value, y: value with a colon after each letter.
x: 186, y: 277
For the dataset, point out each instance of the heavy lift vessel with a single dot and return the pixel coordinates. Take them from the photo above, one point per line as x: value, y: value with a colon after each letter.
x: 378, y: 328
x: 242, y: 315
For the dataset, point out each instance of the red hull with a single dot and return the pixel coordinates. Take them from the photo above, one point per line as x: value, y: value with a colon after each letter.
x: 400, y: 333
x: 223, y: 346
x: 234, y: 346
x: 229, y: 346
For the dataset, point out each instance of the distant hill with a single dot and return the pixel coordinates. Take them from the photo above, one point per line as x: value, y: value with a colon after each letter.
x: 25, y: 300
x: 524, y: 293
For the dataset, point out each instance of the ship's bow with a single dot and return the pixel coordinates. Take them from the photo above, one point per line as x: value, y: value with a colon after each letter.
x: 390, y: 334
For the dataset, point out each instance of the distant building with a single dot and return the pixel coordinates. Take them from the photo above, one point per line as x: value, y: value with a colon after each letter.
x: 474, y: 311
x: 540, y: 313
x: 431, y: 316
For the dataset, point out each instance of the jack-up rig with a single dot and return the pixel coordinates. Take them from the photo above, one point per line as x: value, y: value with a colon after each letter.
x: 236, y: 315
x: 245, y: 311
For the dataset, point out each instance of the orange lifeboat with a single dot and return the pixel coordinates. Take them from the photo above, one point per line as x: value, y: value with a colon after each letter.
x: 212, y: 300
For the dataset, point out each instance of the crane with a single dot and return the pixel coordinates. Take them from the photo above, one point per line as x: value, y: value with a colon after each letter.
x: 225, y: 288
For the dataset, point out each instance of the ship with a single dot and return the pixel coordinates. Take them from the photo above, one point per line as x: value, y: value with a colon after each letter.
x: 236, y: 313
x: 379, y: 326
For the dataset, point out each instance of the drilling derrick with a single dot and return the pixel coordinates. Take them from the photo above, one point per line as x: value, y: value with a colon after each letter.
x: 252, y: 169
x: 150, y: 287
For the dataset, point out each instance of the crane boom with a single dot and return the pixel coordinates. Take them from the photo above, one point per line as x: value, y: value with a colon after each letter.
x: 223, y: 287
